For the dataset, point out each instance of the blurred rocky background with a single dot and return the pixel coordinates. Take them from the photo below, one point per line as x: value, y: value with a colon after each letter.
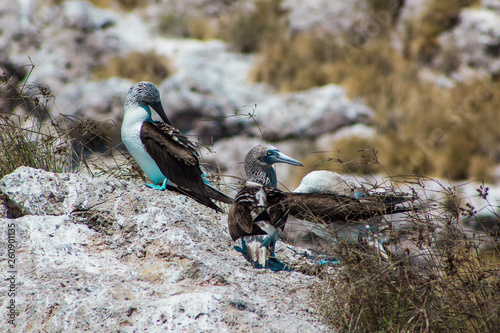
x: 416, y: 80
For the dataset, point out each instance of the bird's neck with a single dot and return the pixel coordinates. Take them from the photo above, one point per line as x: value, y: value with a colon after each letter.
x: 136, y: 112
x: 262, y: 174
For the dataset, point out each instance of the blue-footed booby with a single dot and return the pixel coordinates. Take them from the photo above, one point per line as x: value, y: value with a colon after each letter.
x: 165, y: 155
x: 257, y: 212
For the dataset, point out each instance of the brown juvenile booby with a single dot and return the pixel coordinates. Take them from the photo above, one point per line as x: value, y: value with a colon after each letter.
x: 165, y: 155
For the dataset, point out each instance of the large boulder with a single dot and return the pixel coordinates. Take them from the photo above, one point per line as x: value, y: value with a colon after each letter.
x: 210, y: 96
x: 475, y: 44
x: 103, y: 254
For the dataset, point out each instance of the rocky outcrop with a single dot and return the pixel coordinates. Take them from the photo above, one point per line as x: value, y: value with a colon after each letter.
x: 208, y: 94
x: 103, y: 254
x: 211, y: 97
x: 64, y: 42
x: 475, y: 42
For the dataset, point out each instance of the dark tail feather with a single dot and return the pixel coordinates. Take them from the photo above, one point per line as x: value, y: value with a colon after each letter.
x: 392, y: 198
x: 218, y: 195
x: 197, y: 197
x: 392, y: 201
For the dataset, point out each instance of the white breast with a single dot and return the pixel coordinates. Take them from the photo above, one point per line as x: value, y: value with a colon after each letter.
x: 130, y: 133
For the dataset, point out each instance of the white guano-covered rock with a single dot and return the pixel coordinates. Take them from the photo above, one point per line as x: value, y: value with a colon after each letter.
x: 99, y: 254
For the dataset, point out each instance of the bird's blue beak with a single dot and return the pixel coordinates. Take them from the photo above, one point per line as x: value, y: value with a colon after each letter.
x: 278, y: 157
x: 159, y: 109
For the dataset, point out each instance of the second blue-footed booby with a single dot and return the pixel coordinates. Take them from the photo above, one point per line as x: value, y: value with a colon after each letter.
x: 323, y: 181
x: 165, y: 155
x: 257, y: 213
x: 354, y: 212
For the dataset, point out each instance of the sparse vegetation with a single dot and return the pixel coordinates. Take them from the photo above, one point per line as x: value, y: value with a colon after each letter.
x: 438, y: 17
x: 33, y: 145
x: 25, y: 140
x: 432, y: 276
x: 37, y: 138
x: 421, y: 128
x: 137, y: 66
x: 248, y: 30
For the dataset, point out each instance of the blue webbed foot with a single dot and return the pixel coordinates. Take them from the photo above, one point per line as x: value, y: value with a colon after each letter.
x: 358, y: 195
x: 239, y: 249
x: 275, y: 265
x: 328, y: 260
x: 272, y: 263
x: 204, y: 177
x: 332, y: 261
x: 161, y: 187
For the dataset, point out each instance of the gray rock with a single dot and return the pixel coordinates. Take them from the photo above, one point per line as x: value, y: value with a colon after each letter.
x: 210, y: 96
x: 310, y: 113
x: 491, y: 4
x: 65, y: 42
x: 475, y: 42
x: 209, y: 87
x: 340, y: 19
x: 102, y: 254
x: 99, y: 100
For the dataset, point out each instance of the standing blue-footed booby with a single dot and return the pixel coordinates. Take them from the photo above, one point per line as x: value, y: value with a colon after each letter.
x: 165, y: 155
x: 257, y: 212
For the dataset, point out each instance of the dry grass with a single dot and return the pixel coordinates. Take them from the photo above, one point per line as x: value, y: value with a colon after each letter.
x: 55, y: 143
x: 33, y: 145
x: 35, y: 139
x: 248, y: 29
x: 434, y: 276
x: 137, y: 66
x: 421, y: 128
x: 123, y: 4
x: 438, y: 17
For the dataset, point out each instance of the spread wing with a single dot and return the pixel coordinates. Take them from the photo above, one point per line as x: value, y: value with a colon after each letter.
x: 331, y: 207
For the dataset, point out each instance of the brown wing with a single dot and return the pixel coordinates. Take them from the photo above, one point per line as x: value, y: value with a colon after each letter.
x: 240, y: 219
x: 240, y: 222
x: 246, y: 210
x: 174, y: 155
x: 328, y: 207
x: 277, y: 210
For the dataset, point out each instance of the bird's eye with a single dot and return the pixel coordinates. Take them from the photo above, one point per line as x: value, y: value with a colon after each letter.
x: 269, y: 153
